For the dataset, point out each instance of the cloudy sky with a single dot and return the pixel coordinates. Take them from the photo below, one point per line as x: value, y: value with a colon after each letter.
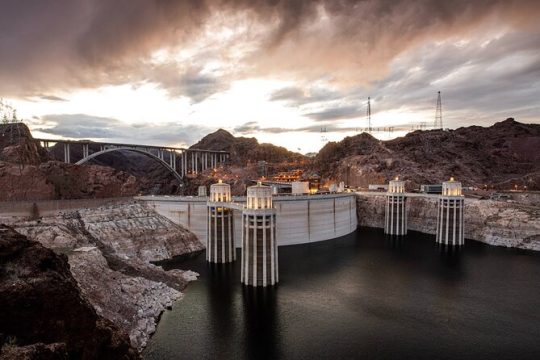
x: 169, y: 72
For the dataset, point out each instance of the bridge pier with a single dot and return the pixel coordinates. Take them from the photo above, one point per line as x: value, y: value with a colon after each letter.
x: 67, y: 157
x: 184, y: 163
x: 85, y: 150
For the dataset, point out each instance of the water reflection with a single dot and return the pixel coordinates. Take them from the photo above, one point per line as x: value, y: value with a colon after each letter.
x: 361, y: 296
x: 395, y: 241
x: 450, y: 254
x: 261, y: 325
x: 221, y: 305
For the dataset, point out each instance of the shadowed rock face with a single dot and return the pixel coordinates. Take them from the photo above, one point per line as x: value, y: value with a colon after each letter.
x: 152, y: 177
x: 17, y: 145
x: 55, y: 180
x: 109, y: 250
x: 42, y: 309
x: 27, y: 172
x: 502, y: 155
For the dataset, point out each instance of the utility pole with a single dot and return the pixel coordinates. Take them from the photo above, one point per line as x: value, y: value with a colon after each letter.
x: 368, y: 114
x: 438, y: 113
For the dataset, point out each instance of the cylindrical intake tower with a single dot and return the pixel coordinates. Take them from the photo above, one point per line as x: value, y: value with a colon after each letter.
x: 450, y: 214
x: 220, y: 233
x: 395, y: 221
x: 259, y: 247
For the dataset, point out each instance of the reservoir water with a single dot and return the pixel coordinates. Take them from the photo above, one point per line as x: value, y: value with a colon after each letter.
x: 361, y: 296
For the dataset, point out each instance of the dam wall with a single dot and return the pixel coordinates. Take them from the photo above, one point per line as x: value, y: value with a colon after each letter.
x: 299, y: 219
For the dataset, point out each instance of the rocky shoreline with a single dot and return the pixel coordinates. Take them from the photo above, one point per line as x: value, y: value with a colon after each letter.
x: 109, y: 250
x: 492, y: 222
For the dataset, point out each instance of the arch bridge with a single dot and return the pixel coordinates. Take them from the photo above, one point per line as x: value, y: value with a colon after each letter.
x: 180, y: 162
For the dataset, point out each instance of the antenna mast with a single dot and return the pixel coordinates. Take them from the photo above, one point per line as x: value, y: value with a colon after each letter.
x: 438, y: 113
x: 368, y: 114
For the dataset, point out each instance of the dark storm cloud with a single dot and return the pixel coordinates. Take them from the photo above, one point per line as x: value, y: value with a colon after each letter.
x: 51, y: 98
x: 336, y: 113
x: 253, y: 127
x: 82, y: 126
x: 190, y: 82
x: 295, y: 96
x: 481, y: 82
x: 493, y: 80
x: 66, y: 44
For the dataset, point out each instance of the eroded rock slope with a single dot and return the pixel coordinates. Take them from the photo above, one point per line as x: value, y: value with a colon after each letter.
x: 109, y: 250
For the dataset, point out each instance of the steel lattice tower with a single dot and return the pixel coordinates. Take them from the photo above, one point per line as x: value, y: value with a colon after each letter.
x: 438, y: 113
x: 368, y: 114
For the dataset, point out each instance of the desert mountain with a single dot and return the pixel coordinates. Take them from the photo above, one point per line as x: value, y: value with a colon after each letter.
x: 244, y: 150
x: 502, y: 155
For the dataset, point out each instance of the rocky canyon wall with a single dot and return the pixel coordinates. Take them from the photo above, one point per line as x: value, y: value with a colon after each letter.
x: 492, y: 222
x: 43, y: 315
x: 109, y: 250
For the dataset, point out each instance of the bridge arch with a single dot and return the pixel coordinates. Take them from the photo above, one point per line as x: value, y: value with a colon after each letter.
x: 146, y: 153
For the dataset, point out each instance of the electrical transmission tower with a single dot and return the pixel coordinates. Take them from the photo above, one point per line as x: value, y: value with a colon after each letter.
x: 324, y: 139
x: 368, y: 114
x: 438, y: 113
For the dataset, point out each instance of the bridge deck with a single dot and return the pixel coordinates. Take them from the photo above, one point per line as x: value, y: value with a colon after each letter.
x: 170, y: 148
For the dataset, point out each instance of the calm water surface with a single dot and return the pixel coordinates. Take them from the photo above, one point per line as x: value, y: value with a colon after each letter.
x: 361, y: 296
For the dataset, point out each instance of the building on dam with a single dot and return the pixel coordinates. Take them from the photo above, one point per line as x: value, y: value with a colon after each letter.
x: 259, y: 246
x: 220, y: 233
x: 450, y: 214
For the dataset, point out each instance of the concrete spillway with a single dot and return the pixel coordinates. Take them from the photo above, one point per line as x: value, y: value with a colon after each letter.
x: 299, y: 219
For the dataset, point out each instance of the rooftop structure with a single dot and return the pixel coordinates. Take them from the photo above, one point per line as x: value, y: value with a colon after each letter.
x: 259, y: 197
x: 451, y: 188
x: 396, y: 186
x: 220, y: 192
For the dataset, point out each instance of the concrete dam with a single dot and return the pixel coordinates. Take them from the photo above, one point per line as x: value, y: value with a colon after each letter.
x: 300, y: 219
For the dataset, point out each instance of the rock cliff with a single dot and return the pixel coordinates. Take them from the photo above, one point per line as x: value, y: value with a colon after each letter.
x: 492, y: 222
x: 244, y: 149
x: 43, y: 314
x: 501, y: 156
x: 17, y: 145
x: 30, y: 172
x: 55, y: 180
x: 109, y: 250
